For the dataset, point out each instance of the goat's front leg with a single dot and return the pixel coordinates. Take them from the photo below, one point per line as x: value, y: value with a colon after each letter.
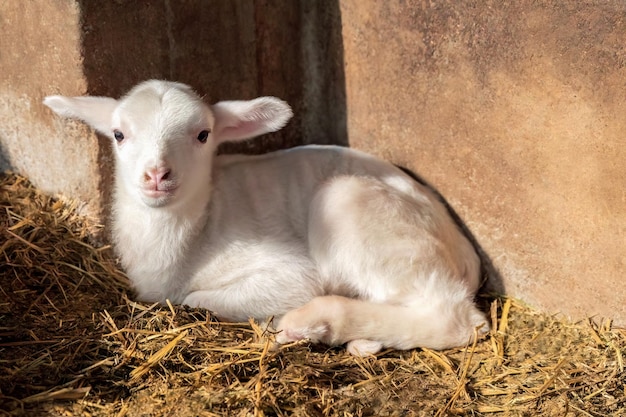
x: 215, y: 302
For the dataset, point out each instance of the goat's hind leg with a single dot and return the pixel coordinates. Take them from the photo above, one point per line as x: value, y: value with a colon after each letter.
x: 399, y: 254
x: 363, y: 347
x: 331, y: 320
x: 368, y: 327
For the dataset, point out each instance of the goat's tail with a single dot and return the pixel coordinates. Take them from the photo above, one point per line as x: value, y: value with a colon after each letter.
x: 368, y: 327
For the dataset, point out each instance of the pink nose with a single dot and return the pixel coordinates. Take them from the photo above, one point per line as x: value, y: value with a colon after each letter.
x: 157, y: 175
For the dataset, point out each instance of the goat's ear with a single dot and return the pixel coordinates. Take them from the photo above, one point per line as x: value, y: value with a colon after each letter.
x: 237, y: 120
x: 95, y: 111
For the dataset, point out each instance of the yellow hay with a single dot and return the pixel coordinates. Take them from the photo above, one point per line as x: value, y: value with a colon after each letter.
x: 72, y: 342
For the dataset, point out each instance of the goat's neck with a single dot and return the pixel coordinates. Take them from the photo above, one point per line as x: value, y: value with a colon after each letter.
x: 155, y: 239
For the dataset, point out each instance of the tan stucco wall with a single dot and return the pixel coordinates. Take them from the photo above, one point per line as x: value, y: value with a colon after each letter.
x: 516, y: 112
x: 40, y: 54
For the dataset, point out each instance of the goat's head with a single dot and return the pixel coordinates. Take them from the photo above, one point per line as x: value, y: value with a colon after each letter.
x: 165, y: 136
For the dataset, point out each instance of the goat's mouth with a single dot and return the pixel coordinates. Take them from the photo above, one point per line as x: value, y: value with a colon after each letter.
x: 158, y: 197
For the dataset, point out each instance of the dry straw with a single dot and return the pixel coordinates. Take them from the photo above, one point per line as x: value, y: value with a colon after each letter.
x: 72, y: 342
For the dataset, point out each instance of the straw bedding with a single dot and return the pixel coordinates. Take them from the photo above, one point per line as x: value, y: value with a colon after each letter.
x: 72, y: 342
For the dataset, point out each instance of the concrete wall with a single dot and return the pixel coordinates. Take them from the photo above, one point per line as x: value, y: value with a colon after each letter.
x: 40, y: 53
x: 514, y: 111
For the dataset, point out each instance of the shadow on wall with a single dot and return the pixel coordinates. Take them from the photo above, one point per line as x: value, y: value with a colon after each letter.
x: 227, y: 50
x: 5, y: 163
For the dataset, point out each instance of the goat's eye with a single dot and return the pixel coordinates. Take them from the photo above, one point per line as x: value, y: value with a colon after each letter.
x: 119, y: 136
x: 202, y: 136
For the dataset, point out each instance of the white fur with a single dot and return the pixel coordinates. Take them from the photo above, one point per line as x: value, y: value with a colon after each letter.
x: 340, y: 246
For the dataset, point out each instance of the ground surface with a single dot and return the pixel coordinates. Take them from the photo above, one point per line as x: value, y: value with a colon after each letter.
x: 73, y: 343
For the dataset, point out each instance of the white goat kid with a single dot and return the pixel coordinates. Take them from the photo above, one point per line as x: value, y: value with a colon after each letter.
x: 339, y: 246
